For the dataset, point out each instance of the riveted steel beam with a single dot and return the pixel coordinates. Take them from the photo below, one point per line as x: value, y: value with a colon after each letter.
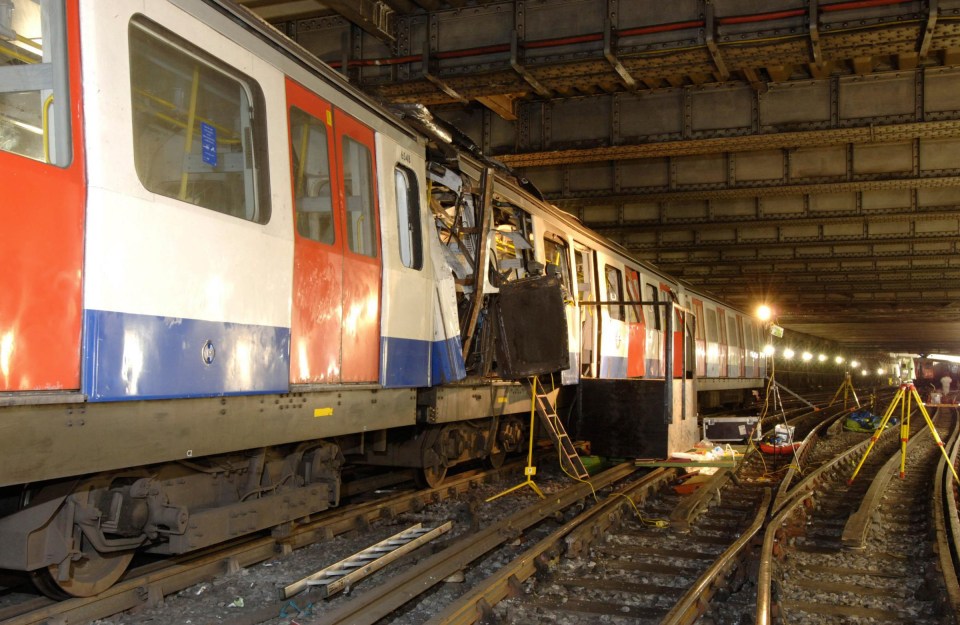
x: 773, y: 140
x: 573, y: 200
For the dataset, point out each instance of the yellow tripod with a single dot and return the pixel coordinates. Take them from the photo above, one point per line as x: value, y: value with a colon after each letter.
x: 530, y: 470
x: 847, y: 388
x: 904, y: 396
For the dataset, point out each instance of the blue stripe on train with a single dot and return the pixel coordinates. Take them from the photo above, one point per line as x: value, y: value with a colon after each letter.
x: 129, y: 356
x: 446, y: 362
x: 613, y: 367
x: 404, y: 362
x: 409, y: 362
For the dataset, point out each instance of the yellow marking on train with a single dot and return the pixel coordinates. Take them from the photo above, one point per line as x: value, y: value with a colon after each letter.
x: 329, y: 118
x: 323, y: 412
x: 501, y: 400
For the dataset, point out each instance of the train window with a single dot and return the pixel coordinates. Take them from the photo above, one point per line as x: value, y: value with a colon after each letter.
x: 614, y: 279
x: 657, y: 313
x: 311, y: 177
x: 358, y: 191
x: 408, y: 216
x: 711, y: 325
x: 614, y: 291
x: 196, y: 130
x: 513, y: 236
x: 701, y: 332
x: 634, y: 312
x: 733, y: 337
x: 34, y: 94
x: 557, y: 260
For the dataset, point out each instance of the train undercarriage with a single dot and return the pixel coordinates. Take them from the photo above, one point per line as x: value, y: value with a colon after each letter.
x: 76, y: 536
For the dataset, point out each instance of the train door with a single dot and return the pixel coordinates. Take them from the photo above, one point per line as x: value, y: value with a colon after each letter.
x: 360, y: 330
x: 722, y: 345
x: 613, y: 329
x: 336, y: 291
x: 636, y: 338
x: 667, y: 294
x: 318, y: 242
x: 584, y: 260
x: 701, y: 344
x: 41, y: 241
x: 556, y: 254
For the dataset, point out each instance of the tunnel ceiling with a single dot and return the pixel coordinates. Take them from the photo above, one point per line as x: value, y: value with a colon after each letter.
x: 802, y: 153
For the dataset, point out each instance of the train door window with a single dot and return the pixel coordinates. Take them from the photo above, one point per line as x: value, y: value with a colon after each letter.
x: 657, y: 314
x: 358, y: 192
x: 197, y: 134
x: 557, y: 259
x: 34, y: 94
x: 614, y: 280
x: 634, y: 312
x: 408, y: 217
x: 311, y: 172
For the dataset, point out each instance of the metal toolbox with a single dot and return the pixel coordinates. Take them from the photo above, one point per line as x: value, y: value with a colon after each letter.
x: 728, y: 429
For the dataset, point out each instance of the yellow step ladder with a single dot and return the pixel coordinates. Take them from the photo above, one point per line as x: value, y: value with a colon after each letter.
x: 569, y: 458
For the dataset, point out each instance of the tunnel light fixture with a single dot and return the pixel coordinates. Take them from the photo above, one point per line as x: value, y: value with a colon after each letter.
x: 807, y: 356
x: 854, y: 364
x: 944, y: 357
x: 788, y: 353
x: 838, y: 360
x: 769, y: 350
x: 822, y: 358
x: 764, y: 313
x: 864, y: 372
x: 880, y: 371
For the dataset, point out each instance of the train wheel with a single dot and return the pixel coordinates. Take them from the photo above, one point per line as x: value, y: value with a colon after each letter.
x: 496, y: 458
x: 433, y: 476
x: 89, y: 575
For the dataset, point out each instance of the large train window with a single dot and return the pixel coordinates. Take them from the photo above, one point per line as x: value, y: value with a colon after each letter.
x: 733, y: 335
x: 34, y: 95
x: 513, y: 233
x: 614, y: 279
x: 358, y: 191
x: 712, y: 332
x: 311, y: 177
x: 557, y: 258
x: 197, y: 131
x: 408, y: 217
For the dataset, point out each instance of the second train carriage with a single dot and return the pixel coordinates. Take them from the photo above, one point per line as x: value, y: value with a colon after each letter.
x: 227, y: 272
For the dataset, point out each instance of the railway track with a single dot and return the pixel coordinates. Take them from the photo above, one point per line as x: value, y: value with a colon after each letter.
x: 639, y: 552
x: 146, y: 586
x: 862, y: 552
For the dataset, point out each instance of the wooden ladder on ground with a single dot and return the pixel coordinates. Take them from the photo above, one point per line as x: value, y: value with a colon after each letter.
x: 569, y: 458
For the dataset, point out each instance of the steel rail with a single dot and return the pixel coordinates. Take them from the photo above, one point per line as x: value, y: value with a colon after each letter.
x: 148, y: 585
x: 694, y: 602
x: 578, y: 534
x: 379, y: 602
x: 946, y: 521
x: 858, y: 524
x: 808, y: 444
x: 793, y: 499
